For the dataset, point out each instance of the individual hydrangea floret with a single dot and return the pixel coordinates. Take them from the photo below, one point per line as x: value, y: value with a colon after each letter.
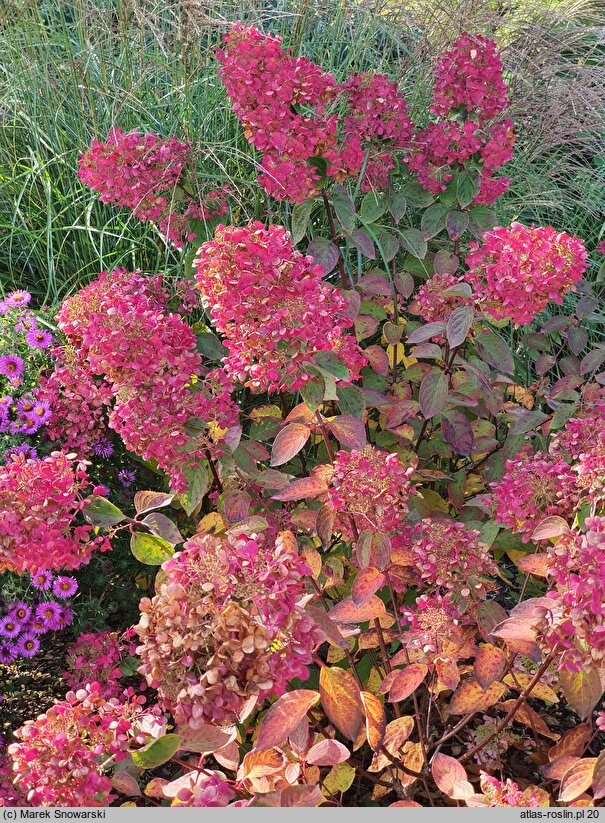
x: 519, y: 270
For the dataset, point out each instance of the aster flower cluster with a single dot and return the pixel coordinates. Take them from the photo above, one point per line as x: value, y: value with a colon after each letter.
x: 132, y: 360
x: 269, y: 302
x: 370, y: 489
x: 23, y: 353
x: 226, y: 627
x: 96, y: 656
x: 145, y: 173
x: 577, y: 621
x: 282, y: 103
x: 534, y: 486
x: 451, y: 559
x: 518, y: 270
x: 26, y: 621
x: 468, y: 95
x: 39, y: 502
x: 57, y: 757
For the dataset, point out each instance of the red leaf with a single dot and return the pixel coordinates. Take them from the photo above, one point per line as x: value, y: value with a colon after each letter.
x: 365, y: 584
x: 284, y: 716
x: 550, y: 527
x: 490, y: 664
x: 328, y: 753
x: 289, y: 441
x: 341, y: 700
x: 304, y: 488
x: 407, y: 681
x: 377, y: 359
x: 457, y: 431
x: 433, y: 393
x: 348, y: 430
x: 347, y: 612
x: 450, y: 777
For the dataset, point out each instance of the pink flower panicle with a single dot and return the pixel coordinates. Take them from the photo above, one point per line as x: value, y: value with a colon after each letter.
x: 469, y: 93
x: 39, y: 502
x: 371, y: 487
x: 504, y: 793
x: 136, y: 361
x: 451, y: 558
x: 519, y: 270
x: 225, y: 627
x: 440, y: 295
x: 57, y: 759
x: 142, y: 172
x: 578, y: 624
x: 469, y: 76
x: 96, y: 656
x: 534, y: 486
x: 269, y: 302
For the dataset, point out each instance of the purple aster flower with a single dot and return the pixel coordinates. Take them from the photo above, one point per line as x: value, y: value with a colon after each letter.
x: 37, y: 626
x: 103, y: 447
x: 4, y: 421
x: 65, y: 587
x: 26, y: 323
x: 50, y: 613
x: 20, y: 611
x: 18, y: 298
x: 6, y: 402
x: 11, y: 366
x: 41, y: 580
x: 7, y: 653
x: 28, y: 424
x: 41, y: 411
x: 10, y: 627
x: 38, y: 339
x: 66, y: 618
x: 3, y: 307
x: 26, y: 404
x: 28, y: 645
x: 126, y: 478
x: 23, y: 448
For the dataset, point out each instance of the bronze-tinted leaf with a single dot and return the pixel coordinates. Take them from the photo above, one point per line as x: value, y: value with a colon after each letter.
x: 598, y: 777
x: 365, y: 584
x: 577, y: 780
x: 326, y: 625
x: 348, y: 430
x: 206, y: 738
x: 470, y: 697
x: 582, y: 689
x: 341, y: 700
x: 347, y: 612
x: 550, y: 527
x: 490, y: 663
x: 289, y: 441
x: 303, y: 488
x: 146, y: 501
x: 450, y: 777
x: 396, y: 734
x: 407, y: 681
x: 284, y: 716
x: 447, y: 672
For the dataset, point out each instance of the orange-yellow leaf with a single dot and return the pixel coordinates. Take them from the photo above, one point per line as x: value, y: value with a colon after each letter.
x: 573, y: 742
x: 540, y: 691
x: 284, y: 716
x: 365, y: 584
x: 470, y: 697
x: 341, y: 700
x: 582, y: 689
x: 525, y: 714
x: 396, y: 734
x: 490, y: 664
x: 407, y: 681
x: 447, y: 672
x: 450, y: 777
x: 347, y: 612
x: 375, y: 719
x: 577, y: 779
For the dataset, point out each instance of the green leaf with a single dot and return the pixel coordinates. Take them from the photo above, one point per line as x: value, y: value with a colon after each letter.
x: 396, y: 204
x: 157, y: 752
x: 373, y: 206
x: 344, y: 208
x: 414, y: 242
x: 301, y: 214
x: 149, y: 549
x: 102, y: 512
x: 482, y: 219
x: 329, y: 361
x: 210, y: 346
x: 313, y: 392
x: 389, y: 244
x: 416, y: 196
x: 433, y: 221
x: 467, y: 186
x: 494, y: 351
x: 433, y: 393
x: 351, y: 400
x: 199, y: 482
